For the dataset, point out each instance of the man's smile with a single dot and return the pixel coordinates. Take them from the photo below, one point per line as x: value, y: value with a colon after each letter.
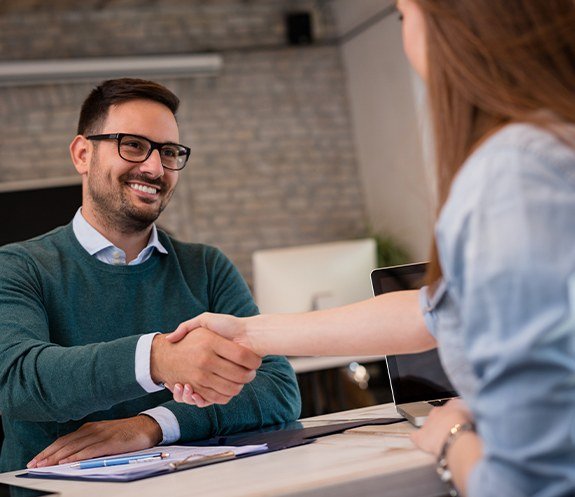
x: 144, y: 188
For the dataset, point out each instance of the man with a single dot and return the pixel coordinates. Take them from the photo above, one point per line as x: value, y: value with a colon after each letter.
x: 82, y: 371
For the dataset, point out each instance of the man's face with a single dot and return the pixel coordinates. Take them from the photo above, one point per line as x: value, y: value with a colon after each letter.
x: 126, y: 196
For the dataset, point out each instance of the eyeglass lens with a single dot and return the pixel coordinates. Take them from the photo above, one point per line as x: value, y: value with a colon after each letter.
x: 136, y: 149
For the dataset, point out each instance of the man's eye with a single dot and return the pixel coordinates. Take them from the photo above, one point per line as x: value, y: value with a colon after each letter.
x: 169, y: 152
x: 136, y: 145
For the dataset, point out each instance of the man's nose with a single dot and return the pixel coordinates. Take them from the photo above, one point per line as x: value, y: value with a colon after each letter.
x: 152, y: 166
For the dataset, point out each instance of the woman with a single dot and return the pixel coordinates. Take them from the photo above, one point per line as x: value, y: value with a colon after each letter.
x: 500, y: 303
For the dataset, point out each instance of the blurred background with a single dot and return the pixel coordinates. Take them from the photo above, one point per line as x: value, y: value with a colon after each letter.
x: 305, y: 122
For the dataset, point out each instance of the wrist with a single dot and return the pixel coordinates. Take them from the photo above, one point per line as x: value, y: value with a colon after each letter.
x: 151, y: 428
x: 157, y: 359
x: 252, y: 336
x: 443, y: 469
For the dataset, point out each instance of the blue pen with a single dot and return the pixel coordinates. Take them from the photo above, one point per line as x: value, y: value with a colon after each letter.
x: 117, y: 461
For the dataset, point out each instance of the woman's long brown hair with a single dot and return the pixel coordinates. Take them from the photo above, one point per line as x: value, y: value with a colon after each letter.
x: 489, y: 63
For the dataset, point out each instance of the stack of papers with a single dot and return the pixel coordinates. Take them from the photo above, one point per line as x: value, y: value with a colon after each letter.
x: 194, y: 456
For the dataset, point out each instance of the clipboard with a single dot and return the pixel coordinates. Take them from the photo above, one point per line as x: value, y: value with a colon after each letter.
x: 177, y: 458
x: 276, y: 437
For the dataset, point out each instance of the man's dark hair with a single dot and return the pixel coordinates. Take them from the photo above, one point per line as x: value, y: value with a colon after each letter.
x: 117, y: 91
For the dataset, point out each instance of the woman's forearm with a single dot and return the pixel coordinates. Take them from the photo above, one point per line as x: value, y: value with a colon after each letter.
x: 388, y: 324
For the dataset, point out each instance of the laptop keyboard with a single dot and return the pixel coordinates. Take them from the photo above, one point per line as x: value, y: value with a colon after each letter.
x: 437, y: 403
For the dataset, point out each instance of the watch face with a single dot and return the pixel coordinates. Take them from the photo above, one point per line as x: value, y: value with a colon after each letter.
x: 15, y: 491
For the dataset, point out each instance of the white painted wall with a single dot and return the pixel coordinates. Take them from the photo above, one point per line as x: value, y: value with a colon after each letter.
x: 385, y: 101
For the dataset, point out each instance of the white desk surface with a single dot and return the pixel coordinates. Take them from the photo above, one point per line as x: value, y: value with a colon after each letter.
x: 381, y: 461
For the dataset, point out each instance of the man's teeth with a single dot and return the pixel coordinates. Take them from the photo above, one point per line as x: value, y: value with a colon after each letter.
x: 142, y: 188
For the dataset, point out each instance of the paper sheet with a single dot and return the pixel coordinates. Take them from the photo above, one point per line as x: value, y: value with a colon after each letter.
x: 125, y: 471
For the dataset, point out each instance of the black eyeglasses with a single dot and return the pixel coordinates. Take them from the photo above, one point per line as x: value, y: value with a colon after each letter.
x: 135, y: 148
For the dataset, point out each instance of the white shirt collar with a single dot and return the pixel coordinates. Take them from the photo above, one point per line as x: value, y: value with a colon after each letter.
x: 94, y: 242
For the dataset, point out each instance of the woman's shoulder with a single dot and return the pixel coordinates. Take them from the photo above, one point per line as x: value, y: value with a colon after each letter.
x: 519, y: 148
x: 517, y: 155
x: 517, y: 166
x: 554, y: 139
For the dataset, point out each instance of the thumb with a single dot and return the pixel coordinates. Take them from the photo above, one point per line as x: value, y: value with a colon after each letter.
x: 184, y: 328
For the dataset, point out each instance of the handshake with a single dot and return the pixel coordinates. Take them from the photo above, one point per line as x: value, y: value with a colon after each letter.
x: 206, y: 360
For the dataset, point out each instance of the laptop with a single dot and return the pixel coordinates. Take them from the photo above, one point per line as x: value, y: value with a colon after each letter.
x: 418, y: 381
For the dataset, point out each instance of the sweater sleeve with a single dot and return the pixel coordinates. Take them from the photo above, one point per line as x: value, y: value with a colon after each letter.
x: 44, y: 381
x: 272, y: 397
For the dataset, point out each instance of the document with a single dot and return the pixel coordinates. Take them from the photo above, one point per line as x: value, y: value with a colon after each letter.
x: 175, y: 457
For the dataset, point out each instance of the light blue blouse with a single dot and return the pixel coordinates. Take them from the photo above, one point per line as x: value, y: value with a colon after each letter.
x: 504, y: 315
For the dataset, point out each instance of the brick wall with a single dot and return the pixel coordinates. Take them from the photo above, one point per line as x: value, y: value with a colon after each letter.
x: 272, y: 153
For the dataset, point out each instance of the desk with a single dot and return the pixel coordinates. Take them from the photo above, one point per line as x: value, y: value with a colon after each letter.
x: 343, y: 465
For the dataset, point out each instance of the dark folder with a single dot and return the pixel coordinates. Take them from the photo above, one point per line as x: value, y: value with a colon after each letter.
x: 284, y: 436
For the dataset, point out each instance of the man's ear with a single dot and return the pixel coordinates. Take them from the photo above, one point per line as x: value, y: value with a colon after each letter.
x: 81, y: 153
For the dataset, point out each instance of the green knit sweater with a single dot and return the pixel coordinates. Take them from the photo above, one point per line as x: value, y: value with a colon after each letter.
x: 69, y: 325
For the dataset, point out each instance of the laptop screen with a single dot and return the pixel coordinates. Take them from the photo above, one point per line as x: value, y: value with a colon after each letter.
x: 413, y: 377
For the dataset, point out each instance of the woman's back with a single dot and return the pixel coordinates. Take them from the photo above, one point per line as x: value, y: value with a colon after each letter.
x: 505, y: 316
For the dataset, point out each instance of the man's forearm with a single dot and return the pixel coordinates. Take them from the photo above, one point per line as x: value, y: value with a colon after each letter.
x: 47, y: 382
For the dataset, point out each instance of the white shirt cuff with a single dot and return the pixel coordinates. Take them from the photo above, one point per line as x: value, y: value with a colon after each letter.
x: 143, y: 358
x: 168, y: 423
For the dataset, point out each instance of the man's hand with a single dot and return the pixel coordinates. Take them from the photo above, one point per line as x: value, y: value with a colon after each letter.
x: 214, y: 367
x: 101, y: 438
x: 227, y: 326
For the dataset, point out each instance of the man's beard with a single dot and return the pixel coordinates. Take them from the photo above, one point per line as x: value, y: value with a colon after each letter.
x: 114, y: 208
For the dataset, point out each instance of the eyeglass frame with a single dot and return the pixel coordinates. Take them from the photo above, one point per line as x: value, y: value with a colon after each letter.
x: 154, y: 146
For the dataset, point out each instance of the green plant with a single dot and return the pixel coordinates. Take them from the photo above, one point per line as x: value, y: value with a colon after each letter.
x: 389, y: 251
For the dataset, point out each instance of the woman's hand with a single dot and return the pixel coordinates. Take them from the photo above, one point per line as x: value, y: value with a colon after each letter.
x: 432, y: 435
x: 464, y: 452
x: 227, y: 326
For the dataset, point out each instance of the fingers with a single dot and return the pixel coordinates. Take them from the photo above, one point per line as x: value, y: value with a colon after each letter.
x: 225, y: 325
x: 226, y: 362
x: 237, y: 354
x: 97, y: 448
x: 178, y: 392
x: 185, y: 394
x: 213, y: 389
x: 101, y: 438
x: 64, y: 447
x: 184, y: 328
x: 218, y: 377
x: 202, y: 396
